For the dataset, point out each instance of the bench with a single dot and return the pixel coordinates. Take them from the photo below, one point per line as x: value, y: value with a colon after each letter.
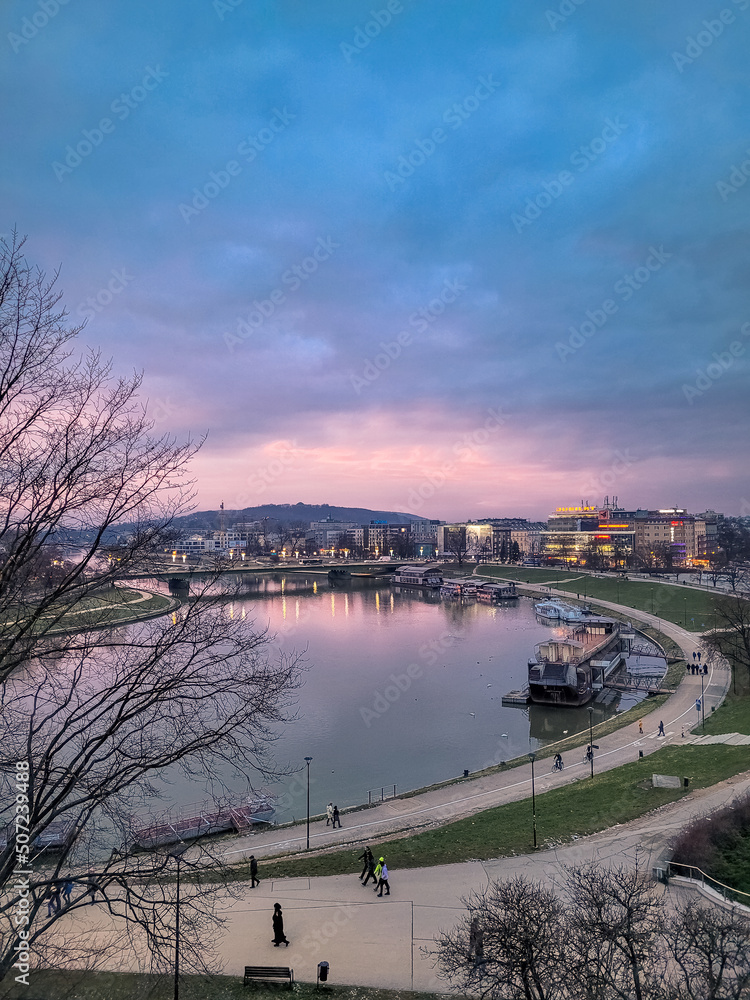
x: 267, y: 974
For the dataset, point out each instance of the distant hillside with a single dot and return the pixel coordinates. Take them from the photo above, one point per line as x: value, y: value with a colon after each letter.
x: 209, y: 519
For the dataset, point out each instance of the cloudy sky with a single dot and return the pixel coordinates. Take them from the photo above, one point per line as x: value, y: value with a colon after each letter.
x: 454, y: 257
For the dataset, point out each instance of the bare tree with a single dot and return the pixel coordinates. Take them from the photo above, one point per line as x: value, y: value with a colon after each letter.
x: 730, y: 636
x: 615, y: 919
x: 93, y: 720
x: 509, y: 946
x: 76, y: 461
x: 455, y: 543
x: 709, y: 949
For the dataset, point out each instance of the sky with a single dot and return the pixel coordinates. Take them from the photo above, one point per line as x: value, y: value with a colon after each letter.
x: 458, y: 258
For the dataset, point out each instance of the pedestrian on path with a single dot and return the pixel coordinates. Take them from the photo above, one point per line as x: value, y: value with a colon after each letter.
x: 473, y: 931
x: 254, y: 880
x: 329, y: 813
x: 661, y: 729
x: 336, y: 817
x: 366, y: 859
x: 277, y: 920
x: 371, y: 870
x: 67, y: 891
x: 378, y: 872
x: 640, y: 726
x: 383, y: 880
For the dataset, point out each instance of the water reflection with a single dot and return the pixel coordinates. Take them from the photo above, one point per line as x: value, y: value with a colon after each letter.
x: 403, y: 687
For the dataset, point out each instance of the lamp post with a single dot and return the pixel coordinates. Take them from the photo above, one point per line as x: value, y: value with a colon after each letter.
x: 652, y: 600
x: 307, y: 761
x: 703, y: 706
x: 532, y: 758
x: 591, y: 738
x: 685, y: 606
x: 177, y: 855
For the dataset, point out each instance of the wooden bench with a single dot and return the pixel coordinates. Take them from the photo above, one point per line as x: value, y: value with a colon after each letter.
x: 268, y: 974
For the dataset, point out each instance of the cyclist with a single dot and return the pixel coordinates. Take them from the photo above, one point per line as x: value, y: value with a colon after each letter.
x: 557, y: 763
x: 589, y: 753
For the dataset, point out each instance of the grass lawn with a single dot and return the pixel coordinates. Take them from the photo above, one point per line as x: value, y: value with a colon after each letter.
x: 526, y: 574
x: 733, y: 715
x: 572, y: 810
x: 692, y: 609
x: 45, y: 985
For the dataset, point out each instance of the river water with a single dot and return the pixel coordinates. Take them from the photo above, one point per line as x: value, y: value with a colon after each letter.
x: 402, y: 687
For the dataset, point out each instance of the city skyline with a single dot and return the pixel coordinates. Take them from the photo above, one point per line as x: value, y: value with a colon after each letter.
x: 453, y: 262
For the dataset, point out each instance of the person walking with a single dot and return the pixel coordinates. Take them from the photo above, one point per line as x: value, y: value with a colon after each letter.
x: 371, y: 869
x: 661, y: 729
x: 640, y: 726
x: 254, y: 880
x: 365, y: 857
x: 336, y: 817
x: 383, y: 881
x: 377, y: 873
x: 277, y: 920
x: 67, y: 891
x: 329, y: 814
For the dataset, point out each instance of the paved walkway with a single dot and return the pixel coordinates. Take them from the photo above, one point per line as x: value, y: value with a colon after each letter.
x: 465, y: 797
x: 378, y: 942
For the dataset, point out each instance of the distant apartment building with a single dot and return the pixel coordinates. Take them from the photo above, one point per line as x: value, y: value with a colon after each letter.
x: 613, y: 537
x: 327, y: 534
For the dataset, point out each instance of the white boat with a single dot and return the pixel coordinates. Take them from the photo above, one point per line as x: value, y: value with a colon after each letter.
x: 559, y: 611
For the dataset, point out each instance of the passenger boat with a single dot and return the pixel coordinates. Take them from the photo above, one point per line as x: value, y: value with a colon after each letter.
x: 569, y: 671
x: 559, y: 611
x: 418, y: 576
x: 493, y: 593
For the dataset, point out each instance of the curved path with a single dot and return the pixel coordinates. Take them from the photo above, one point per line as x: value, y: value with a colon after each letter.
x: 443, y: 805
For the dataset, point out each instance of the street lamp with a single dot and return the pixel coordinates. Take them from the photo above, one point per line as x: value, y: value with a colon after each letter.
x: 532, y: 758
x: 703, y: 706
x: 307, y: 761
x: 177, y: 855
x: 685, y: 606
x: 652, y: 600
x: 591, y: 738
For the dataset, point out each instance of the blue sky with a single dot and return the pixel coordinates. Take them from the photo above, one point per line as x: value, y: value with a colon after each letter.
x: 459, y: 258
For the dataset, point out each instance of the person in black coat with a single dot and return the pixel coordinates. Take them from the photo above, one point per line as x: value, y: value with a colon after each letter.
x: 278, y: 926
x: 365, y: 857
x: 254, y: 880
x: 336, y: 818
x: 370, y: 870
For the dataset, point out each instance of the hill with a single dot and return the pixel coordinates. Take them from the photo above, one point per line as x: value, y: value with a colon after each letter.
x: 286, y: 512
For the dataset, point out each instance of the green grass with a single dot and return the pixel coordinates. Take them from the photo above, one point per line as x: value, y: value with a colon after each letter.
x: 733, y: 715
x: 692, y: 609
x: 126, y: 986
x: 585, y: 807
x: 526, y: 574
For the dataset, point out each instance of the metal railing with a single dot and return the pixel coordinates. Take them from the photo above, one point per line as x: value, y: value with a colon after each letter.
x: 698, y: 875
x: 381, y: 794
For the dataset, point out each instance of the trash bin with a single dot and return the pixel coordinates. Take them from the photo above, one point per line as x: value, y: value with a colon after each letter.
x: 685, y: 782
x: 466, y: 772
x: 323, y: 968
